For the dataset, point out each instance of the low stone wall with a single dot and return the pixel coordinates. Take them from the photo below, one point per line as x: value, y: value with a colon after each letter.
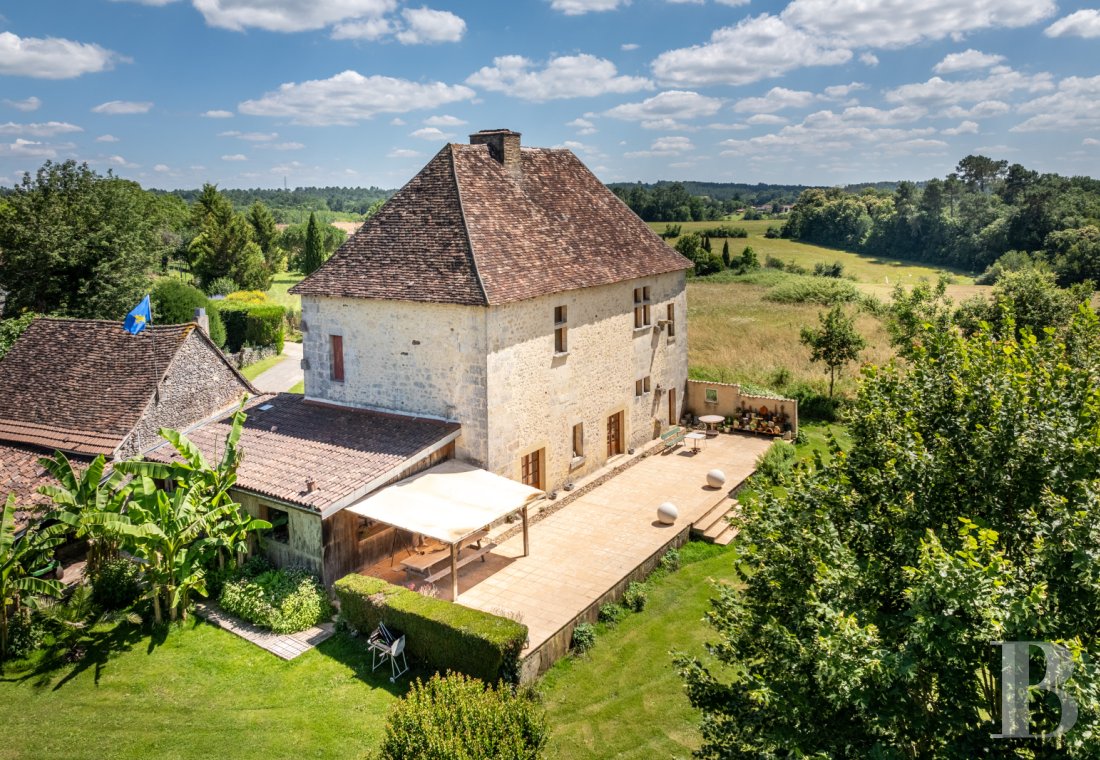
x: 250, y: 355
x: 726, y: 399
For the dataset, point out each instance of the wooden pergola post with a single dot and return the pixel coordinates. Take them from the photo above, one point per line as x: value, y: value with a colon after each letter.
x: 454, y: 572
x: 526, y: 544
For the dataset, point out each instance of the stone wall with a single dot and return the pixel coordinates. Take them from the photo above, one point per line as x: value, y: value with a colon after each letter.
x: 197, y: 384
x: 417, y: 358
x: 705, y: 397
x: 536, y: 396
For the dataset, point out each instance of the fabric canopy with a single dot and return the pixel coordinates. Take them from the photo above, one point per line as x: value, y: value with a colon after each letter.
x: 448, y: 502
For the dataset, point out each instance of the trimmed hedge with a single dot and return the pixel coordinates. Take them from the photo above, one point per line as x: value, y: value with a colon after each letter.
x: 252, y: 324
x: 444, y: 635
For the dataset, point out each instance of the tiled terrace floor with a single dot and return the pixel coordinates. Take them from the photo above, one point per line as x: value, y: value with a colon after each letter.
x: 583, y: 550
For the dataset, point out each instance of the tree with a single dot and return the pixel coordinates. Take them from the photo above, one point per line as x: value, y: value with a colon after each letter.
x: 294, y: 241
x: 726, y: 254
x: 267, y: 236
x: 748, y: 260
x: 962, y: 514
x: 224, y: 246
x: 313, y: 252
x: 77, y: 244
x: 980, y: 172
x: 20, y: 558
x: 836, y: 343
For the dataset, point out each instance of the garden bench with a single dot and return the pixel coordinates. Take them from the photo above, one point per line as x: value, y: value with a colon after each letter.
x: 674, y: 437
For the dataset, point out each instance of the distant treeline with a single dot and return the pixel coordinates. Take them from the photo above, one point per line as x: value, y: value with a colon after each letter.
x: 970, y: 219
x: 295, y: 206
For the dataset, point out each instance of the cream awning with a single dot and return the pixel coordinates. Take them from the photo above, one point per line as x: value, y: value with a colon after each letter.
x: 447, y: 502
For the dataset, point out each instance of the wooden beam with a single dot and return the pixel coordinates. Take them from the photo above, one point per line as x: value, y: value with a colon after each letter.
x: 526, y: 542
x: 454, y: 572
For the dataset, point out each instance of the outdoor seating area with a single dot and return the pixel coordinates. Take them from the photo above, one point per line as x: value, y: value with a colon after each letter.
x: 431, y: 561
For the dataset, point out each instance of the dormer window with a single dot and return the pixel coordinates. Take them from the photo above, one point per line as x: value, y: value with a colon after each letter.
x: 641, y: 308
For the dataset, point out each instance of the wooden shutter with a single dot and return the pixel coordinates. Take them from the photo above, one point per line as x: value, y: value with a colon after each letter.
x: 337, y: 358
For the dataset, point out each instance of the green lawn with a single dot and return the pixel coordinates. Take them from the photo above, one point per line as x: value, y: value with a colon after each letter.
x: 624, y: 699
x: 199, y: 693
x: 283, y: 282
x: 252, y: 371
x: 299, y: 387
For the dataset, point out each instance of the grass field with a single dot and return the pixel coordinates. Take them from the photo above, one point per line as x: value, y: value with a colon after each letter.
x: 279, y: 287
x: 252, y: 371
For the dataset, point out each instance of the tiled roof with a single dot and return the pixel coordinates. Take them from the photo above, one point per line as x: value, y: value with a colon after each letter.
x: 340, y: 449
x: 81, y: 385
x: 21, y: 474
x: 465, y: 230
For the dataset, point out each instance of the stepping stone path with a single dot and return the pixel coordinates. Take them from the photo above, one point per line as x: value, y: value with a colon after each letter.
x: 287, y: 646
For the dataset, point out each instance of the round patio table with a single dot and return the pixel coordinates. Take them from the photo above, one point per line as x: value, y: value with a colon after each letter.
x: 710, y: 420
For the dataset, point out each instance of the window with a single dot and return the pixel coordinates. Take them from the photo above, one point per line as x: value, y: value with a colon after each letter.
x: 337, y: 346
x: 641, y: 386
x: 531, y: 469
x: 615, y: 434
x: 671, y: 320
x: 711, y: 396
x: 280, y: 524
x: 641, y: 307
x: 578, y: 440
x: 561, y: 328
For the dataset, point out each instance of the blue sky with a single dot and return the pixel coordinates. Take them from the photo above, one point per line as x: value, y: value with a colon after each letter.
x: 243, y: 93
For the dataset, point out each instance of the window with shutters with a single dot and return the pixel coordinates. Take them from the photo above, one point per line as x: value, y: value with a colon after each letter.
x: 337, y: 346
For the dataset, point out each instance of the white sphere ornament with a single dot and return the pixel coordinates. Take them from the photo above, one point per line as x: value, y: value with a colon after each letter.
x: 667, y: 513
x: 716, y: 478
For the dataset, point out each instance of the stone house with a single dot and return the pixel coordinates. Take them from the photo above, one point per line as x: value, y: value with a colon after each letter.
x: 505, y: 289
x: 87, y: 387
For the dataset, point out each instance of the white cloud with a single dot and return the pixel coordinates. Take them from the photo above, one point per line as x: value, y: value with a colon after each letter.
x: 1084, y: 23
x: 122, y: 107
x: 841, y: 91
x: 162, y: 168
x: 580, y: 7
x: 364, y: 29
x: 41, y: 129
x: 106, y: 139
x: 35, y: 149
x: 583, y: 126
x: 1090, y: 141
x: 52, y: 57
x: 120, y: 161
x: 1076, y: 105
x: 667, y: 109
x: 626, y: 47
x: 404, y: 153
x: 982, y: 110
x: 567, y: 76
x: 218, y: 114
x: 431, y: 133
x: 282, y: 146
x: 288, y: 15
x: 965, y: 128
x: 775, y: 99
x: 397, y: 121
x: 898, y: 23
x: 349, y: 97
x: 732, y: 3
x: 424, y: 25
x: 766, y: 119
x: 235, y: 157
x: 968, y: 60
x: 444, y: 120
x: 664, y: 146
x: 156, y: 3
x: 1001, y: 82
x: 250, y: 136
x: 756, y: 48
x: 29, y: 104
x: 868, y: 59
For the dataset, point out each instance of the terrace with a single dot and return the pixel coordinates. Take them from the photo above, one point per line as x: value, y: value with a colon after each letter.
x: 590, y: 544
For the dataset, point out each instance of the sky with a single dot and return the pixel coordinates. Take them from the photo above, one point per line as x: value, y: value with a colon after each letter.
x: 258, y: 93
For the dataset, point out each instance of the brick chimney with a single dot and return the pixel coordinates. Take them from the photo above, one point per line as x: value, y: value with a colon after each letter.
x: 503, y: 146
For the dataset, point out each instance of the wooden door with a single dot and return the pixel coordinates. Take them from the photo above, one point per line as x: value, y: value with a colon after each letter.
x: 673, y: 418
x: 615, y: 434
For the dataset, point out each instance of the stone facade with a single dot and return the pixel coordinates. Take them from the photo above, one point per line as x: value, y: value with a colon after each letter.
x: 197, y: 384
x: 495, y: 369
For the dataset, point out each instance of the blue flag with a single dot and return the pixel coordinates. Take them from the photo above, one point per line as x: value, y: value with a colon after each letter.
x: 137, y: 319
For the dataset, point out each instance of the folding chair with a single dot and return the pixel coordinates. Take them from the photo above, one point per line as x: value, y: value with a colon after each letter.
x: 389, y: 645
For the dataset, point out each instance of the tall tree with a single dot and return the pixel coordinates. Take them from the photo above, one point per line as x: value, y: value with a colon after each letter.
x: 76, y: 243
x: 313, y: 252
x: 835, y: 343
x: 266, y: 235
x: 964, y: 513
x: 224, y: 246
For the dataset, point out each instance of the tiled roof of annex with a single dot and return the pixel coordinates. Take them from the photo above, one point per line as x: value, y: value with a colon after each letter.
x: 466, y: 230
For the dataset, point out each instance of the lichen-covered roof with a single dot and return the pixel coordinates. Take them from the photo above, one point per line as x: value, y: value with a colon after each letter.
x: 465, y: 230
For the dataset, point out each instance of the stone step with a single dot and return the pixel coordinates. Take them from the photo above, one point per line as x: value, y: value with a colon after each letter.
x: 716, y: 513
x: 725, y: 537
x: 718, y: 528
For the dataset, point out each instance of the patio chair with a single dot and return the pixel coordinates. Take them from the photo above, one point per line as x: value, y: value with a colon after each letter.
x: 388, y: 645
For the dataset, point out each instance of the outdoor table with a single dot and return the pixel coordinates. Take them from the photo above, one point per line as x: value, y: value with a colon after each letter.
x: 710, y: 420
x: 695, y: 438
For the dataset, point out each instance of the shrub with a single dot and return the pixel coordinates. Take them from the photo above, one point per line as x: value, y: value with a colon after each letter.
x: 671, y: 231
x: 283, y: 601
x: 116, y: 584
x: 221, y: 286
x: 610, y: 613
x: 725, y: 231
x: 773, y: 232
x: 254, y: 297
x: 217, y: 326
x: 636, y: 596
x: 821, y: 269
x: 252, y: 324
x: 775, y: 464
x: 584, y: 637
x: 458, y: 717
x: 11, y: 329
x: 670, y: 562
x: 820, y: 290
x: 815, y: 405
x: 801, y: 438
x: 774, y: 262
x: 174, y: 302
x: 25, y: 634
x: 444, y: 635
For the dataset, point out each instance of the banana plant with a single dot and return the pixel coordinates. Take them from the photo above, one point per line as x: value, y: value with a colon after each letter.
x: 20, y: 557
